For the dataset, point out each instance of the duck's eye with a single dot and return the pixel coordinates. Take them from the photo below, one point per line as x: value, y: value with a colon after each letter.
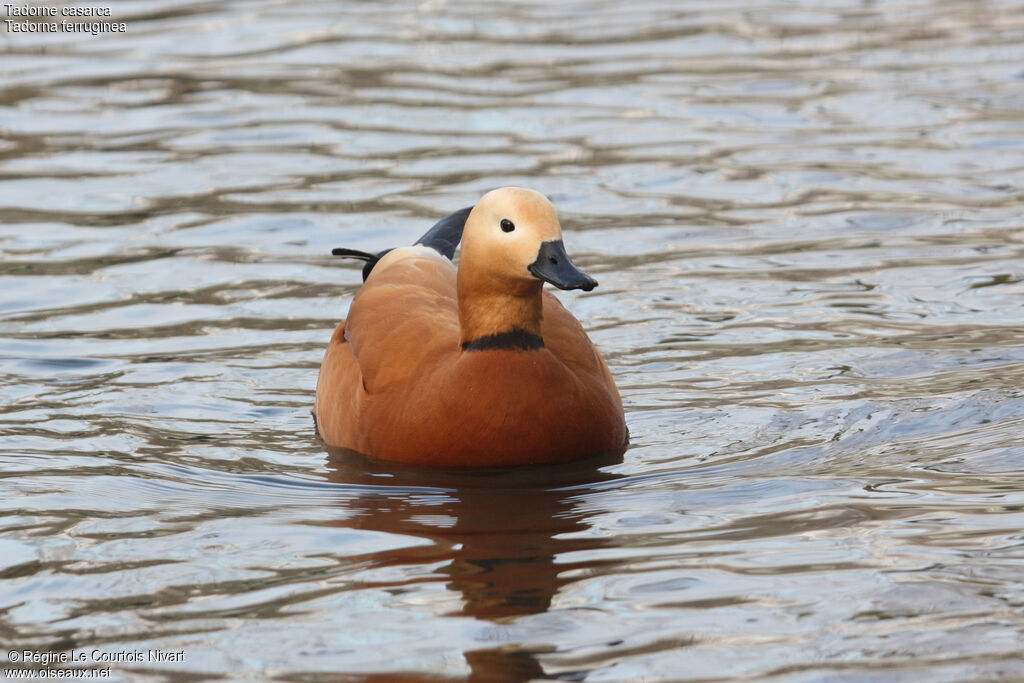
x: 507, y: 225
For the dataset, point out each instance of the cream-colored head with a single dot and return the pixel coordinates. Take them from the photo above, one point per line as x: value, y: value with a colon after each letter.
x: 513, y: 241
x: 511, y: 245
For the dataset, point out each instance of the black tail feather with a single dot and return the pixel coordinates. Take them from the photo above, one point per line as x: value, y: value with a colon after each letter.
x: 444, y: 238
x: 354, y: 253
x: 370, y: 259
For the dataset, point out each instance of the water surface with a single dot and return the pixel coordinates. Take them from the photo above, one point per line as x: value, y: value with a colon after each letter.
x: 806, y: 222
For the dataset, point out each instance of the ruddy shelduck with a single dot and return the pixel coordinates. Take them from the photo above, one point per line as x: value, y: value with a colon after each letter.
x: 478, y: 366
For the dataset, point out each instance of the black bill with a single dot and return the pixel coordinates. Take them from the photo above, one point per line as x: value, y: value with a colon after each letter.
x: 553, y: 265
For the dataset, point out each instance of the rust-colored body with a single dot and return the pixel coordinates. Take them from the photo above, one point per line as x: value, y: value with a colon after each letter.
x: 396, y: 384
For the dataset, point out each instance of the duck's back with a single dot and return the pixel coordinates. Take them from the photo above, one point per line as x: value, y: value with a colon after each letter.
x: 399, y: 323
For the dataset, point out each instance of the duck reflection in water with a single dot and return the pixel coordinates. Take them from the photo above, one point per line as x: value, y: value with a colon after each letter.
x: 501, y: 531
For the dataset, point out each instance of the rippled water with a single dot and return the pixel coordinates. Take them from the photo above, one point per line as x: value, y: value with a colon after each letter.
x: 807, y: 223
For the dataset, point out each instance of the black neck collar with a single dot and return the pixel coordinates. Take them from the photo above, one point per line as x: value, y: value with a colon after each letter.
x: 513, y: 340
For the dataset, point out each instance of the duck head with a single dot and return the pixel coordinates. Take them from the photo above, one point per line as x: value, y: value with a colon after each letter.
x: 511, y: 246
x: 513, y: 236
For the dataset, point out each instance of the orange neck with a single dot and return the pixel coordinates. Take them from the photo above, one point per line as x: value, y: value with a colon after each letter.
x: 489, y: 306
